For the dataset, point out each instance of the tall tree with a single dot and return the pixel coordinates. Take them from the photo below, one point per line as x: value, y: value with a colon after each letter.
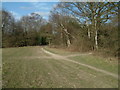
x: 94, y: 14
x: 31, y: 25
x: 61, y: 21
x: 8, y: 23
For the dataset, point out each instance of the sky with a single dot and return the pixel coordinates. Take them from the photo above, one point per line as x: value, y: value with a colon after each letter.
x: 19, y: 9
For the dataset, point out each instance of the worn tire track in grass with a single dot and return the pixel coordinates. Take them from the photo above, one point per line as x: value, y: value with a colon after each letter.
x: 54, y: 75
x: 67, y: 74
x: 58, y: 57
x: 81, y: 76
x: 61, y: 73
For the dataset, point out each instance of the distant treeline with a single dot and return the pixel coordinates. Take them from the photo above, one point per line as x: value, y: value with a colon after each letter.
x: 78, y: 26
x: 28, y: 31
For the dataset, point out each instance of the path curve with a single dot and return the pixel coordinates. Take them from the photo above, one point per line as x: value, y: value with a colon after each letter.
x: 55, y: 56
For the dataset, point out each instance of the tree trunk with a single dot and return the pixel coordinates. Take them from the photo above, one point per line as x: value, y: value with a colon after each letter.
x: 96, y: 36
x: 61, y: 36
x: 49, y: 42
x: 88, y: 29
x: 67, y: 37
x: 89, y: 33
x: 68, y: 41
x: 96, y: 40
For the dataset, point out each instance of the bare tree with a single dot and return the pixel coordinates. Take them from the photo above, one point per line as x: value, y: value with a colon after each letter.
x: 95, y: 13
x: 32, y: 22
x: 7, y: 22
x: 61, y: 20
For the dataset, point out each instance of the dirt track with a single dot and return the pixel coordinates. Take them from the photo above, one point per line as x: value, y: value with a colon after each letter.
x: 59, y: 57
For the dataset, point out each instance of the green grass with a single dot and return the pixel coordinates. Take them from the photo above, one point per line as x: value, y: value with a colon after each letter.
x: 22, y: 69
x: 59, y: 51
x: 102, y: 63
x: 96, y: 61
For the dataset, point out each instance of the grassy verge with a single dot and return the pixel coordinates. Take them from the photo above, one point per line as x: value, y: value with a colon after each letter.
x: 102, y: 63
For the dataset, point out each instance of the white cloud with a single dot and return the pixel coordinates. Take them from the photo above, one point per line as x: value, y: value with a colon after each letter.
x: 43, y: 8
x: 42, y: 13
x: 16, y: 15
x: 55, y: 5
x: 26, y: 8
x: 40, y: 6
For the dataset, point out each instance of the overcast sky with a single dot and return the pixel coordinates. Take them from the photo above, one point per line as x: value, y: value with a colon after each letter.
x: 19, y: 9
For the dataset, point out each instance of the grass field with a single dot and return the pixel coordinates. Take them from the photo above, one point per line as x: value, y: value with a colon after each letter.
x: 97, y: 61
x: 31, y: 67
